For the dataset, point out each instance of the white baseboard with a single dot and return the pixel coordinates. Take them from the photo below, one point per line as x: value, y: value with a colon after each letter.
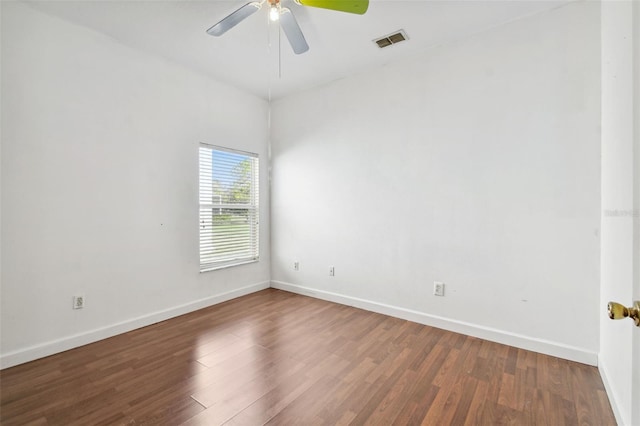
x: 495, y: 335
x: 610, y: 393
x: 49, y: 348
x: 537, y: 345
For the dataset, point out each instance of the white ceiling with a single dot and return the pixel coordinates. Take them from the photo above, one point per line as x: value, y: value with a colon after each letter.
x: 248, y: 55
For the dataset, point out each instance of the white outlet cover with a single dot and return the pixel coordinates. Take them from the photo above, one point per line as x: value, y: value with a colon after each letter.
x: 438, y: 288
x: 78, y: 302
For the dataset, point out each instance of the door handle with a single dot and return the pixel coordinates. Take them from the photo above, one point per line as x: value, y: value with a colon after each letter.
x: 617, y: 311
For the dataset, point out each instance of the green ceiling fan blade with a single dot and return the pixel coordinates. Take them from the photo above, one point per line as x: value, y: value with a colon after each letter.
x: 351, y: 6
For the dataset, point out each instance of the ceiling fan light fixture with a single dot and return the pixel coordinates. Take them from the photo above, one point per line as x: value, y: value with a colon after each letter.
x: 274, y: 12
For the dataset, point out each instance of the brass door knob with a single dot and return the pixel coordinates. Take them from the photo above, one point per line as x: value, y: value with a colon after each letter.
x: 617, y: 311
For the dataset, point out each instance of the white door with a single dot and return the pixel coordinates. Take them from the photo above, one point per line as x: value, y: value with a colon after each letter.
x: 619, y: 355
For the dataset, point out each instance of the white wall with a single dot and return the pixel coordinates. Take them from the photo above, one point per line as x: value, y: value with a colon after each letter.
x: 476, y: 164
x: 99, y: 185
x: 620, y: 254
x: 0, y: 176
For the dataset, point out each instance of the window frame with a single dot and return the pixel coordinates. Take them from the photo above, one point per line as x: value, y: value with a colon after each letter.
x: 252, y: 208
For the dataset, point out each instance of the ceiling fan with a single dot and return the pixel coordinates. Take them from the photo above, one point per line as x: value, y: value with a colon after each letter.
x: 287, y: 20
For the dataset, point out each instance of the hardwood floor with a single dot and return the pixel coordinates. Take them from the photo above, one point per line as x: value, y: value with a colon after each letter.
x: 281, y: 359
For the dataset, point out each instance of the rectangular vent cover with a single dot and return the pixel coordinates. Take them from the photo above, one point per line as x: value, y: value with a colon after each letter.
x: 390, y: 39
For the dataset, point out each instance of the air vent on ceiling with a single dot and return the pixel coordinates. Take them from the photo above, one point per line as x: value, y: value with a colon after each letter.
x: 390, y: 39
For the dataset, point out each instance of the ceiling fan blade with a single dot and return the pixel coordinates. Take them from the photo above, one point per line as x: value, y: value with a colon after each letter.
x: 351, y: 6
x: 293, y: 32
x: 234, y: 19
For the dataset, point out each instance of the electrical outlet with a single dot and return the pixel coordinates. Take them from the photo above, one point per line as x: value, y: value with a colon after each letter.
x: 78, y: 302
x: 438, y: 288
x: 332, y: 271
x: 296, y: 266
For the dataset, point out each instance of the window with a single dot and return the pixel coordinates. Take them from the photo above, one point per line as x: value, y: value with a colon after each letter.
x: 228, y: 207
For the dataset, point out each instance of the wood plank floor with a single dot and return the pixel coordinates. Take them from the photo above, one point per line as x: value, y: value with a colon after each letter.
x: 282, y: 359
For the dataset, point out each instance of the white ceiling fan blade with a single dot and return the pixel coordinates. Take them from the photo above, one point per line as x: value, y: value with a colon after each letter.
x: 234, y: 19
x: 293, y: 32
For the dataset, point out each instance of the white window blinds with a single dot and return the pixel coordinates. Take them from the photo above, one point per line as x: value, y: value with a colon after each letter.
x: 228, y: 207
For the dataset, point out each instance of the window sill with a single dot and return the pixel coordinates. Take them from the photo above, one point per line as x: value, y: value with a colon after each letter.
x: 229, y: 265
